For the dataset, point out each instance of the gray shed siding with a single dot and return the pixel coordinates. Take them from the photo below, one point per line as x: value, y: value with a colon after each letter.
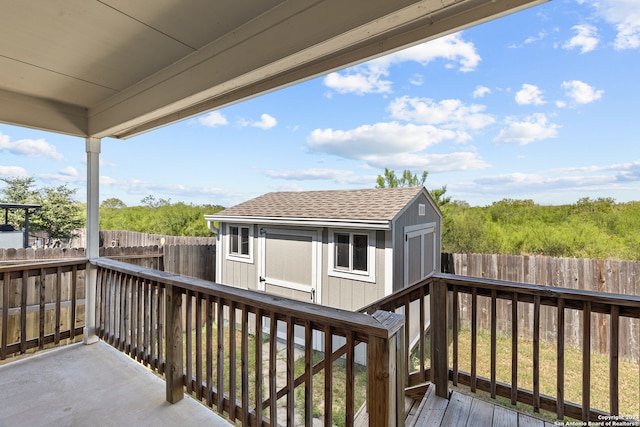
x: 350, y: 294
x: 238, y: 273
x: 409, y: 216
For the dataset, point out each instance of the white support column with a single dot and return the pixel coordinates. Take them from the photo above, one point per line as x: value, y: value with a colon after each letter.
x: 93, y: 237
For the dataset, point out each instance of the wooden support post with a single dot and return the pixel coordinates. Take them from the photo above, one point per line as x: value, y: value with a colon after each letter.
x: 386, y: 379
x: 174, y: 363
x: 93, y: 238
x: 439, y: 343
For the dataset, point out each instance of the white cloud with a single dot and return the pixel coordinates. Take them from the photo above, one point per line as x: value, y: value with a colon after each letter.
x: 359, y: 80
x: 213, y: 119
x: 625, y: 16
x: 586, y: 38
x: 532, y: 39
x: 449, y: 113
x: 529, y: 95
x: 29, y: 148
x: 581, y: 92
x: 481, y: 91
x: 12, y: 171
x: 266, y: 122
x: 371, y: 76
x: 457, y: 161
x: 378, y: 139
x: 69, y: 171
x: 533, y: 128
x: 339, y: 176
x: 394, y: 145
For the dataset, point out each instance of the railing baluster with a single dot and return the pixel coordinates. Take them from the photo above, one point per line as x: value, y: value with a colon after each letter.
x: 153, y: 324
x: 423, y: 319
x: 308, y: 371
x: 560, y: 361
x: 148, y: 326
x: 244, y: 354
x: 273, y: 340
x: 259, y: 359
x: 43, y: 283
x: 74, y: 301
x: 614, y: 326
x: 220, y: 352
x: 350, y: 380
x: 199, y: 327
x: 290, y: 375
x: 209, y: 352
x: 141, y: 318
x: 123, y: 312
x: 23, y: 313
x: 5, y: 314
x: 160, y: 337
x: 57, y: 310
x: 494, y: 333
x: 188, y: 332
x: 514, y: 348
x: 536, y: 353
x: 474, y: 337
x: 328, y: 376
x: 586, y: 360
x: 232, y: 361
x: 455, y: 334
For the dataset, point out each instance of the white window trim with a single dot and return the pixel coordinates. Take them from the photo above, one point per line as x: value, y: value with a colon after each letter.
x: 363, y: 276
x: 238, y: 257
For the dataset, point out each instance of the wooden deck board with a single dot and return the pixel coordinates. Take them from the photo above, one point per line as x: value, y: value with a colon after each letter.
x: 504, y: 417
x: 463, y: 410
x: 457, y: 412
x: 481, y: 413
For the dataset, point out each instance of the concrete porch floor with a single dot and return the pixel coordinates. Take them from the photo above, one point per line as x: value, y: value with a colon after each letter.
x: 91, y: 385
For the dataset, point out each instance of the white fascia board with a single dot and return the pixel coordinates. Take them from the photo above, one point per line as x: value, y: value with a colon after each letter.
x: 305, y: 222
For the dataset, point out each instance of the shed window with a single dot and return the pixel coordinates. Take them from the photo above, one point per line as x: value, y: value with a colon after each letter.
x: 351, y: 252
x: 239, y: 240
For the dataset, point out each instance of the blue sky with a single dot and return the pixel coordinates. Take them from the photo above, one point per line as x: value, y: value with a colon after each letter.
x: 541, y: 105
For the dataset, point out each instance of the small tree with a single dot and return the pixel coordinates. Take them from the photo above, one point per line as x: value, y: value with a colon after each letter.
x: 408, y: 179
x: 59, y: 216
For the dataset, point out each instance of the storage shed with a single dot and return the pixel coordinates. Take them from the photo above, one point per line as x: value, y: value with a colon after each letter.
x: 343, y: 248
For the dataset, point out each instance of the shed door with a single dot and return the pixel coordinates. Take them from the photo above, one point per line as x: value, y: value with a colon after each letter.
x: 419, y: 252
x: 288, y: 263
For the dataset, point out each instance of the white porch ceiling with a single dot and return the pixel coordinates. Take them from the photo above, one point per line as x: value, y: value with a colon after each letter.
x: 116, y: 68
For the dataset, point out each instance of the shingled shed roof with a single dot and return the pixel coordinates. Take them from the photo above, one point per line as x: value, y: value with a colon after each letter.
x: 373, y: 206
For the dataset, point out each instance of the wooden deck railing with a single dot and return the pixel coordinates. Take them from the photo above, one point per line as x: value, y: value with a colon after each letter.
x: 41, y: 303
x: 445, y: 293
x: 260, y: 359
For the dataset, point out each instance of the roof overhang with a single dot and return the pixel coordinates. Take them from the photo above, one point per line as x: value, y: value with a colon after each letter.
x: 303, y: 222
x: 115, y: 68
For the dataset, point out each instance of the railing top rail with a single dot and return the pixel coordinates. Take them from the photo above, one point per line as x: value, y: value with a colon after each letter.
x: 549, y: 292
x: 38, y: 264
x: 361, y: 324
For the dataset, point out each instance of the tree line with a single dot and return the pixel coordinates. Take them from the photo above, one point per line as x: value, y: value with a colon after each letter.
x: 589, y: 228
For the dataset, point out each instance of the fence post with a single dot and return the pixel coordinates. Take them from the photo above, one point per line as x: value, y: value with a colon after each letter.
x: 174, y: 364
x: 386, y: 366
x: 439, y: 342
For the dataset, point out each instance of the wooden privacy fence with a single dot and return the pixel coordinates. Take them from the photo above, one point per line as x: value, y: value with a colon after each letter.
x: 186, y: 260
x: 613, y: 276
x: 134, y: 238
